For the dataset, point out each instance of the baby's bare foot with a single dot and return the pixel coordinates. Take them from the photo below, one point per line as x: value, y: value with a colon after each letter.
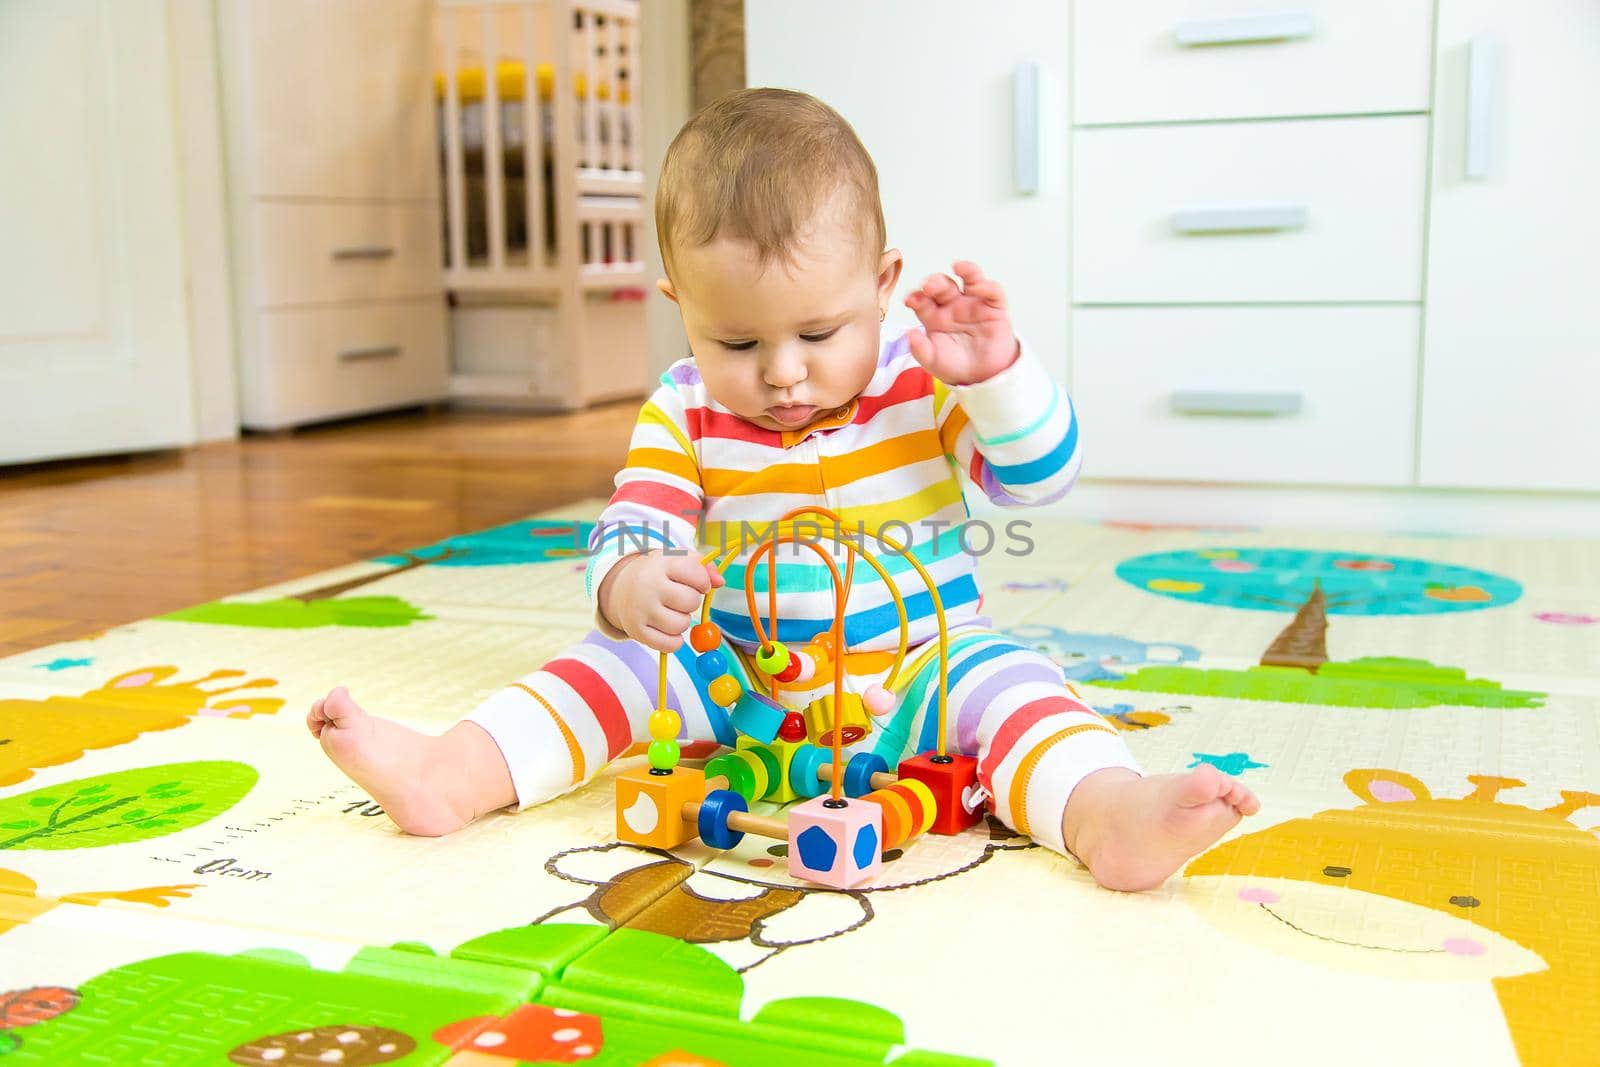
x: 1133, y: 833
x: 420, y: 781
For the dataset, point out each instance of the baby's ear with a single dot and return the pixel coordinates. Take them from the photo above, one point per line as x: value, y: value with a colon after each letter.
x: 1386, y: 787
x: 665, y: 286
x: 889, y: 266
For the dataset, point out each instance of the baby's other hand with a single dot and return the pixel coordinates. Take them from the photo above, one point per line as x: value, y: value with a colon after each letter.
x: 966, y: 334
x: 654, y: 597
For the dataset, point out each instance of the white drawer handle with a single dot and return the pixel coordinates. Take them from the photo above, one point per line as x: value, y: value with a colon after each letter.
x: 1258, y: 218
x: 1025, y: 127
x: 1245, y: 29
x: 363, y: 252
x: 1480, y: 106
x: 1207, y: 402
x: 369, y: 352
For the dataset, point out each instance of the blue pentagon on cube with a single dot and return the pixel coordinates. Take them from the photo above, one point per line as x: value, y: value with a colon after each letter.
x: 838, y: 847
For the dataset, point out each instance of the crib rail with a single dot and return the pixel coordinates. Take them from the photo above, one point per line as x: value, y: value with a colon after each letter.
x: 539, y: 142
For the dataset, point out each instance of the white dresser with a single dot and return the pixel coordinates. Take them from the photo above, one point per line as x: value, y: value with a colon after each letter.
x: 1248, y: 194
x: 333, y: 202
x: 1281, y: 243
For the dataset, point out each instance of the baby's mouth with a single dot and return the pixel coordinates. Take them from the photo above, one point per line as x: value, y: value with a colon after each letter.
x: 791, y: 414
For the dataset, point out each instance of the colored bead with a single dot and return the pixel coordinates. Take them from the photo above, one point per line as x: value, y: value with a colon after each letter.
x: 725, y: 690
x: 791, y: 670
x: 878, y: 701
x: 825, y: 641
x: 713, y: 820
x: 779, y: 791
x: 897, y: 820
x: 794, y: 727
x: 704, y: 636
x: 806, y: 669
x: 767, y: 777
x: 852, y: 720
x: 804, y: 768
x: 664, y: 724
x: 859, y: 771
x: 924, y: 809
x: 821, y: 662
x: 737, y: 772
x: 772, y: 660
x: 953, y: 784
x: 757, y: 715
x: 650, y: 806
x: 662, y: 755
x: 840, y: 847
x: 711, y: 664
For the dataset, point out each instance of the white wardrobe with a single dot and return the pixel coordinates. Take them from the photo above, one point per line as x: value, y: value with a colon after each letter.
x: 1320, y: 243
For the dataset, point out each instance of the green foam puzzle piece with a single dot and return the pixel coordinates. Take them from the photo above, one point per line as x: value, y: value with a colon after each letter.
x: 638, y: 1031
x: 546, y: 948
x: 637, y: 965
x: 835, y: 1015
x: 1375, y: 682
x: 193, y: 1007
x: 292, y: 614
x: 444, y: 972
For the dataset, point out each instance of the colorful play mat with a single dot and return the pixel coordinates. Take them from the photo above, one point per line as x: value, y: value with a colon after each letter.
x: 185, y: 879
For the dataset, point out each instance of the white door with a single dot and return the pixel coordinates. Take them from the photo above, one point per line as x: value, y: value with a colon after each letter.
x: 94, y: 347
x: 1511, y: 338
x: 940, y: 95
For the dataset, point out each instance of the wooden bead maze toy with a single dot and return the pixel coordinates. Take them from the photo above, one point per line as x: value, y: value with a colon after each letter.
x: 851, y: 812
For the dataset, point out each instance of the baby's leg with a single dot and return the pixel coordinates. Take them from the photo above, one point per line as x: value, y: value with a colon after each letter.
x: 541, y: 736
x: 1060, y: 773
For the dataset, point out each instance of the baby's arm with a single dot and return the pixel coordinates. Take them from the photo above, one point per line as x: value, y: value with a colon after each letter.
x: 651, y: 516
x: 1001, y: 417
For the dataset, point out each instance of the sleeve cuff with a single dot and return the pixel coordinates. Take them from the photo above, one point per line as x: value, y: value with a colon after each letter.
x: 1020, y: 395
x: 602, y: 565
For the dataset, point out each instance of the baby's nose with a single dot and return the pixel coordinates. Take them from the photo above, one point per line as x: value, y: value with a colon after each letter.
x: 784, y: 370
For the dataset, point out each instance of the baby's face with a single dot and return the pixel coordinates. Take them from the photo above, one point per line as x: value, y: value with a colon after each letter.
x: 786, y: 343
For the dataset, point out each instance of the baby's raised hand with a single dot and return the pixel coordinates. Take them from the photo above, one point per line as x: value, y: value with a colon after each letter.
x: 654, y: 597
x: 966, y: 334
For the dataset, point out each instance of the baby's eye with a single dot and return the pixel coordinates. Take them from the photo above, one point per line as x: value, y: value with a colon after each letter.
x: 815, y: 337
x: 738, y: 346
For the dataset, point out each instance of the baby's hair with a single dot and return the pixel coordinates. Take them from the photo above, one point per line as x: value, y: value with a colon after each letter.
x: 755, y: 165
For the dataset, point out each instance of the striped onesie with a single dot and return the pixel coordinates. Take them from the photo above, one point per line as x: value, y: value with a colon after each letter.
x: 699, y: 477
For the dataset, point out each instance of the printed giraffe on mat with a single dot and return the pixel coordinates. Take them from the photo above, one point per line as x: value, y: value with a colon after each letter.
x: 59, y: 729
x: 21, y: 903
x: 1524, y: 874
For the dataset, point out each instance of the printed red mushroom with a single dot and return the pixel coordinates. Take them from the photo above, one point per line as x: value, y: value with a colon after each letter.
x: 24, y: 1007
x: 322, y: 1046
x: 531, y: 1033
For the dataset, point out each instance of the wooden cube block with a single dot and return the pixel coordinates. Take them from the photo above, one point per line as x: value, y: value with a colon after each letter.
x: 779, y: 789
x: 839, y: 847
x: 952, y: 785
x: 650, y: 806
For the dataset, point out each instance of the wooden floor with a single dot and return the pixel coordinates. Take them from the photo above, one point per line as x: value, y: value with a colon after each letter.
x: 85, y: 545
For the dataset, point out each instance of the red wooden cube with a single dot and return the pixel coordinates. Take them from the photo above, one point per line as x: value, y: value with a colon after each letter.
x: 953, y: 783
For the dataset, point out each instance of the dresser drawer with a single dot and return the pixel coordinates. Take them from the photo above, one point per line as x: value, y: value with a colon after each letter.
x: 312, y: 253
x: 1249, y: 212
x: 1170, y: 60
x: 322, y: 362
x: 1292, y: 395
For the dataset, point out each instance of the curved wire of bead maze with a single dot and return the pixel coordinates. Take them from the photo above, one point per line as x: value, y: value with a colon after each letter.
x: 664, y: 723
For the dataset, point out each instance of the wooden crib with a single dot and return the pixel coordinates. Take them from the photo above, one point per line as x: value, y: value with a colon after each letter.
x: 539, y: 119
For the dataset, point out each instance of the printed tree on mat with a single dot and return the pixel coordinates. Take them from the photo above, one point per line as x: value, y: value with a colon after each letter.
x: 124, y: 806
x: 525, y: 542
x: 1315, y: 585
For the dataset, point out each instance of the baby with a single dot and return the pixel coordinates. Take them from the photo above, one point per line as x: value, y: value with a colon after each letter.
x: 773, y: 238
